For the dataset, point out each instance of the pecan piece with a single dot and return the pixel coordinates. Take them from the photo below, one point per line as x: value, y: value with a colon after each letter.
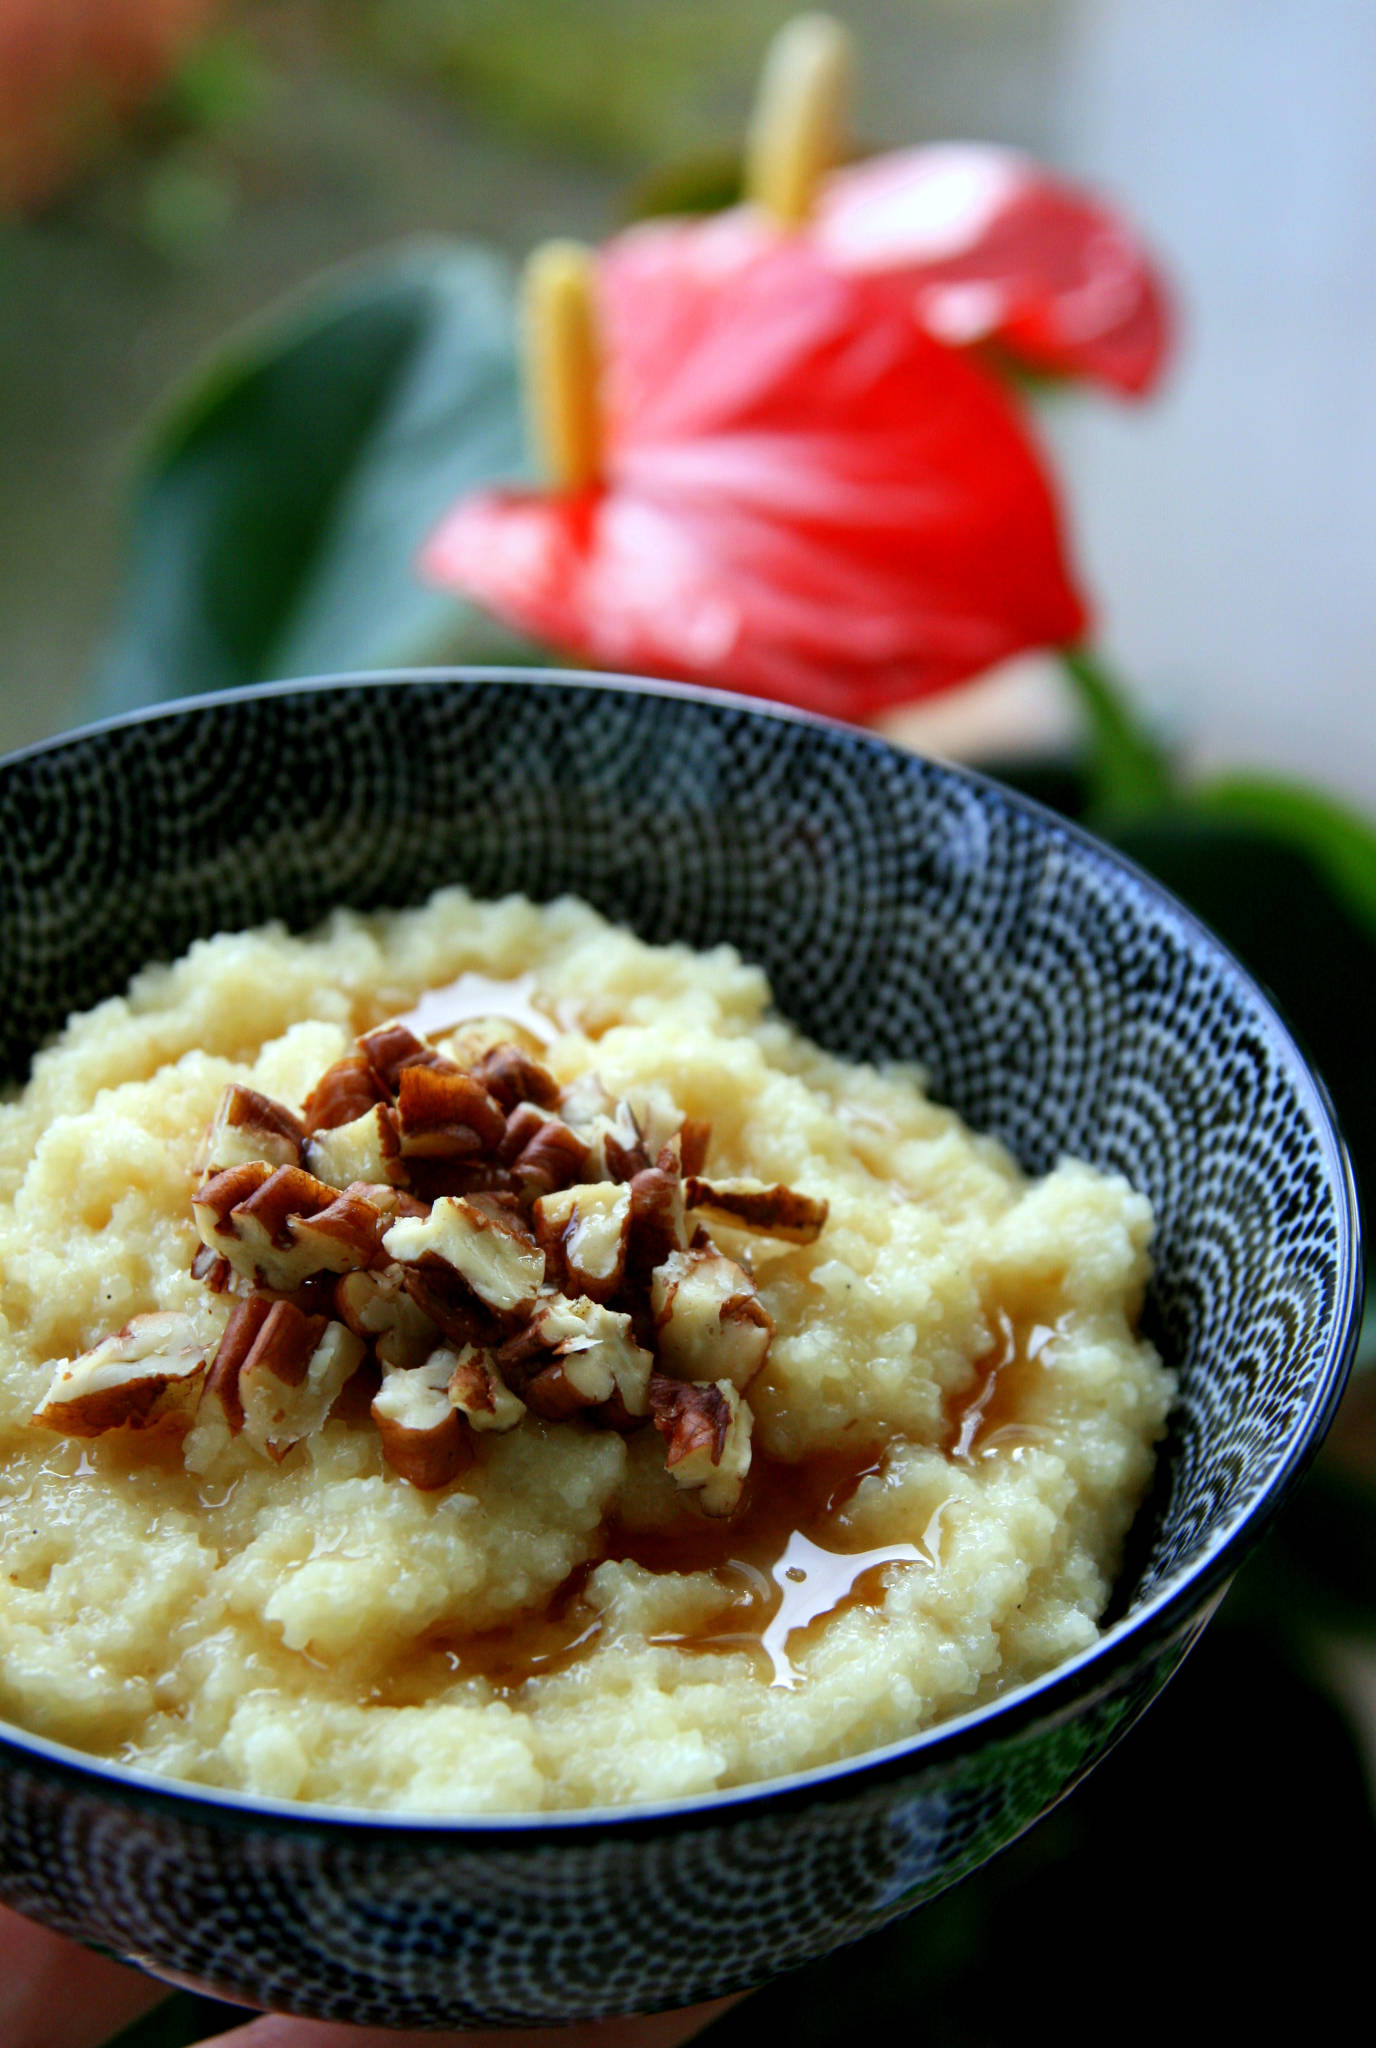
x: 595, y: 1352
x: 658, y: 1220
x: 554, y: 1156
x: 345, y: 1092
x: 585, y: 1233
x: 365, y: 1149
x: 510, y: 1075
x: 480, y: 1393
x: 278, y: 1226
x: 393, y: 1047
x: 295, y: 1371
x: 222, y: 1381
x: 377, y: 1305
x: 423, y: 1436
x: 151, y: 1368
x: 757, y: 1205
x: 707, y: 1429
x: 248, y: 1126
x: 485, y: 1244
x: 445, y: 1115
x: 709, y: 1322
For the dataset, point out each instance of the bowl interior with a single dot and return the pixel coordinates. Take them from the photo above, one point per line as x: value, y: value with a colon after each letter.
x: 1056, y: 998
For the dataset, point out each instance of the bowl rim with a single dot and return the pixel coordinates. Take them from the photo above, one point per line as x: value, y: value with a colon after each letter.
x: 1176, y: 1608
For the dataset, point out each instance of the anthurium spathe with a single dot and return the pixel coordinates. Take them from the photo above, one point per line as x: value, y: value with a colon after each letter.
x: 798, y: 491
x: 989, y: 247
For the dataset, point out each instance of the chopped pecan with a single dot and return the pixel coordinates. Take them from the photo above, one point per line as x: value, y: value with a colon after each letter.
x: 707, y: 1429
x: 450, y: 1303
x: 597, y: 1351
x: 213, y: 1268
x: 658, y: 1221
x: 485, y: 1244
x: 222, y: 1381
x: 709, y: 1322
x: 297, y: 1369
x: 424, y: 1438
x: 345, y: 1092
x: 248, y: 1126
x: 366, y: 1149
x: 694, y: 1139
x: 510, y: 1075
x: 480, y: 1394
x: 278, y: 1227
x: 150, y: 1369
x: 608, y: 1127
x: 553, y: 1157
x: 393, y: 1047
x: 757, y: 1205
x: 378, y: 1306
x: 353, y: 1405
x: 585, y: 1233
x: 445, y: 1115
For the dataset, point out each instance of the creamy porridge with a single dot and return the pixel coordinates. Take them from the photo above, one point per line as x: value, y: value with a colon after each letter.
x: 582, y: 1390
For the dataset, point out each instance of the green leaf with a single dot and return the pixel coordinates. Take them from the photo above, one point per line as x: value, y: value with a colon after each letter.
x: 282, y: 497
x: 1129, y: 776
x: 1339, y: 843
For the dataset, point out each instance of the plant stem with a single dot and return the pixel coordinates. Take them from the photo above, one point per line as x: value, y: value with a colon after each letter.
x: 1128, y: 774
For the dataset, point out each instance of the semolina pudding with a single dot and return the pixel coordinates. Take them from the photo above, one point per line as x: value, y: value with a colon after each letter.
x: 468, y: 1361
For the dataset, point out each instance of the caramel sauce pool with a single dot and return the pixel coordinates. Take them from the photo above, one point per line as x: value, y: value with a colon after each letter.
x: 778, y: 1563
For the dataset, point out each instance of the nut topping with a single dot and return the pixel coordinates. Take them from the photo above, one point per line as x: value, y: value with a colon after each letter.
x: 709, y: 1321
x: 480, y: 1394
x: 599, y: 1356
x: 365, y: 1149
x: 485, y: 1246
x: 393, y: 1047
x: 755, y: 1205
x: 424, y: 1437
x: 586, y: 1232
x: 151, y: 1368
x: 441, y: 1245
x: 344, y: 1092
x: 445, y: 1115
x: 295, y: 1371
x: 249, y: 1126
x: 376, y: 1305
x: 277, y: 1227
x: 707, y: 1429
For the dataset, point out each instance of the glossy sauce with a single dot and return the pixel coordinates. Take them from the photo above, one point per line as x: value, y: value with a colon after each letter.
x: 776, y: 1580
x: 987, y: 1416
x: 476, y: 995
x: 781, y: 1564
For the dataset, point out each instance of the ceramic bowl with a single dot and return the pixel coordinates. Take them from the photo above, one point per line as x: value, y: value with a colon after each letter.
x: 1056, y: 997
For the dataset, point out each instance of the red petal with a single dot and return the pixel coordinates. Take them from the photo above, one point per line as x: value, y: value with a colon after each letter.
x: 807, y: 497
x: 992, y: 248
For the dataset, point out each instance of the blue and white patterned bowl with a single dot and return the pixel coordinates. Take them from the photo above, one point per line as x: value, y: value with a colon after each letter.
x: 1056, y: 998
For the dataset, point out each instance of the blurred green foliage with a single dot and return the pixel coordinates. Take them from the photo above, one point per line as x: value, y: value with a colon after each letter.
x: 615, y: 82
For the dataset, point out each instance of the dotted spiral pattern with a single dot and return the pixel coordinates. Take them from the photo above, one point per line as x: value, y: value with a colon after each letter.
x: 901, y: 909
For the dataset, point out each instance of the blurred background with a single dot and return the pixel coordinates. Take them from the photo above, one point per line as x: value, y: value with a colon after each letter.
x: 169, y: 168
x: 207, y: 156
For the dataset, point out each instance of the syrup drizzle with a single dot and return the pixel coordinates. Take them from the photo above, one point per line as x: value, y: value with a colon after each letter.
x: 976, y: 1428
x: 782, y: 1564
x: 476, y: 995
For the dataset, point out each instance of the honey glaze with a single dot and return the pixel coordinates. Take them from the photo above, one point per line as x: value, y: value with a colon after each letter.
x: 986, y: 1417
x: 777, y: 1580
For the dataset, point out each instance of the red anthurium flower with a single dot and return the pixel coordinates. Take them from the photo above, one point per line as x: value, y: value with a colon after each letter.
x: 802, y: 494
x: 991, y: 248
